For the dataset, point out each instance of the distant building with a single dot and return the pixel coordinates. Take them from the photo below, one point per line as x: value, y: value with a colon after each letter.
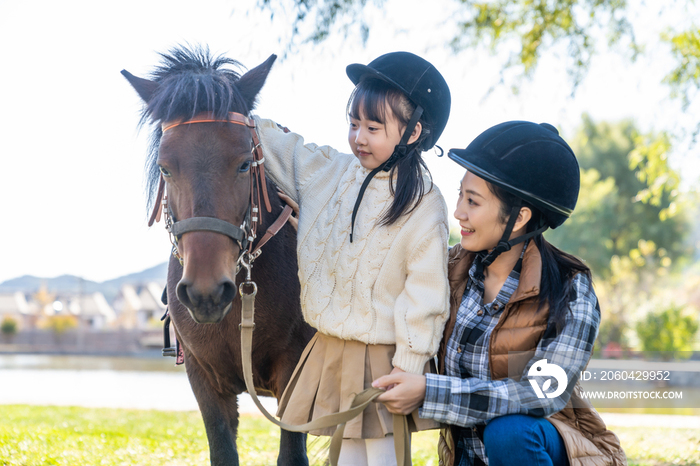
x: 137, y: 306
x: 15, y: 306
x: 92, y: 310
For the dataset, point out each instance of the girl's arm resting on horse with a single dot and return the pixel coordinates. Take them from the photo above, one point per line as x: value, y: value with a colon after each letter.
x: 470, y: 401
x: 421, y: 310
x: 294, y: 218
x: 288, y: 161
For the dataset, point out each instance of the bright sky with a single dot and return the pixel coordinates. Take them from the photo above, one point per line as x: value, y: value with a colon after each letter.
x: 71, y: 160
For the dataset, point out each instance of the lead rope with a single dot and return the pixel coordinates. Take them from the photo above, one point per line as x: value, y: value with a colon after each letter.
x: 402, y: 446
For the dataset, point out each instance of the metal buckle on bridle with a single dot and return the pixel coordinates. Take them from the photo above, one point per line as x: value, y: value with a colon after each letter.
x: 246, y: 261
x: 167, y: 213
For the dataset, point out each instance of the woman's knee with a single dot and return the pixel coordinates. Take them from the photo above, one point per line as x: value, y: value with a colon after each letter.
x: 510, y: 429
x: 523, y: 438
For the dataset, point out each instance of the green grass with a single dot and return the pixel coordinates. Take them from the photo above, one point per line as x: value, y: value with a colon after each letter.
x: 50, y: 435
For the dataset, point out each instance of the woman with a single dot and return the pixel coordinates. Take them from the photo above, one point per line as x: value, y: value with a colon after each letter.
x: 521, y: 310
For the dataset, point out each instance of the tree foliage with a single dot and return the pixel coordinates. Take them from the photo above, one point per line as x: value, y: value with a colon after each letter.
x: 629, y: 204
x: 325, y: 16
x: 668, y: 332
x: 630, y: 224
x: 8, y: 326
x: 527, y: 28
x: 60, y: 323
x: 537, y: 25
x: 684, y: 79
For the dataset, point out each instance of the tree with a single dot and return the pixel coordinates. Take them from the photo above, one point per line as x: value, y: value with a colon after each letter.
x: 630, y: 224
x: 629, y: 195
x: 668, y: 332
x: 8, y: 327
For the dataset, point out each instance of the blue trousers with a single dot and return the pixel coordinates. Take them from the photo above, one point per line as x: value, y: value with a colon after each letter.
x: 524, y: 440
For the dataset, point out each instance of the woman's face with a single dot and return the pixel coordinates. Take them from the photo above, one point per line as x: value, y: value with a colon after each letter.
x: 478, y: 211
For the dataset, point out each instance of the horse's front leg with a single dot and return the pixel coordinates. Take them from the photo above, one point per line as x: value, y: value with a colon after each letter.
x: 292, y: 444
x: 220, y: 416
x: 292, y: 449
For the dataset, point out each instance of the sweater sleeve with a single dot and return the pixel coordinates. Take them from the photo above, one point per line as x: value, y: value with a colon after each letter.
x: 422, y: 307
x: 288, y: 161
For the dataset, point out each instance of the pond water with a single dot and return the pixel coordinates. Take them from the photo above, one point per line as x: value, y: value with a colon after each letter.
x: 86, y: 363
x: 157, y: 383
x: 102, y: 382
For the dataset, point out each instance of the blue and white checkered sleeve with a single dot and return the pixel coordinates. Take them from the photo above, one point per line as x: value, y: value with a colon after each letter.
x: 463, y: 402
x: 471, y: 401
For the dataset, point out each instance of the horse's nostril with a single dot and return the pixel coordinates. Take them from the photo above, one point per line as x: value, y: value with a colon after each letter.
x: 183, y: 292
x: 228, y: 292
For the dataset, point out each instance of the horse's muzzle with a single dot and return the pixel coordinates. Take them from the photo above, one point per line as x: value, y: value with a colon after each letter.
x: 207, y: 306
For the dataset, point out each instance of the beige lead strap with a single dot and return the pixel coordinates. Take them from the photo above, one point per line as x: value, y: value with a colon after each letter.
x: 361, y: 401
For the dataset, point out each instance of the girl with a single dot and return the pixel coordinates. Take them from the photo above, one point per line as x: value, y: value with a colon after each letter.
x: 519, y: 308
x: 372, y: 248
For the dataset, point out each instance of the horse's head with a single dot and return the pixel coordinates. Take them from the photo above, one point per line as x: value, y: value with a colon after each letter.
x: 206, y: 166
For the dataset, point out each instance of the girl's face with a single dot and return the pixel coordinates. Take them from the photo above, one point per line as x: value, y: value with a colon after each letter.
x: 478, y: 211
x: 373, y: 142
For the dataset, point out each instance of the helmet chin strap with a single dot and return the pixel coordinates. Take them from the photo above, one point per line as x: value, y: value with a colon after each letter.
x: 399, y: 152
x: 505, y: 243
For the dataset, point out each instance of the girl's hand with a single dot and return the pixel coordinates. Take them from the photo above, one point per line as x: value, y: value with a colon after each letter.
x: 294, y: 219
x: 405, y: 391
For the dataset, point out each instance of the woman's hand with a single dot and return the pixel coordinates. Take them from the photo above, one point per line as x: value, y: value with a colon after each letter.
x: 404, y: 391
x: 294, y: 219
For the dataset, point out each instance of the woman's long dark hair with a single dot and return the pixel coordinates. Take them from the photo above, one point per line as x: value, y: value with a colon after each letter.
x: 558, y: 267
x: 369, y: 99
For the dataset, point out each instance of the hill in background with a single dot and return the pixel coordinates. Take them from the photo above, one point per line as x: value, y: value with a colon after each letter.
x: 71, y: 284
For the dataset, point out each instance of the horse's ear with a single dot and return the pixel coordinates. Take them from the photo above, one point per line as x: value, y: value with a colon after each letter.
x: 250, y: 83
x: 144, y: 87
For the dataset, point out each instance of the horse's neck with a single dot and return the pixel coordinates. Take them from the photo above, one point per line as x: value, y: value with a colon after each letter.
x: 276, y: 265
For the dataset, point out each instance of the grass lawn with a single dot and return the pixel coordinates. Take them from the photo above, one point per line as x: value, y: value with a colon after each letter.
x: 50, y: 435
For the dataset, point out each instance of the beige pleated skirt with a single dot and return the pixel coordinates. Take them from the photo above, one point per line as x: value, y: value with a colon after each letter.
x: 329, y: 374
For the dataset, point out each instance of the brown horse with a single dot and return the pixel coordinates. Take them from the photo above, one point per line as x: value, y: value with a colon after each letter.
x: 207, y: 172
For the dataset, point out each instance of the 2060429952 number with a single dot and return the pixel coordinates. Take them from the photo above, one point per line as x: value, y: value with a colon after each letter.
x: 635, y: 375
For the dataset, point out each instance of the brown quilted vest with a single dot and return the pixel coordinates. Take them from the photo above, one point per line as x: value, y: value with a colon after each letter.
x: 519, y: 329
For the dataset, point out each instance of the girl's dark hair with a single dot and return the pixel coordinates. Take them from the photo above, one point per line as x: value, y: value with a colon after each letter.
x: 370, y: 99
x: 558, y: 267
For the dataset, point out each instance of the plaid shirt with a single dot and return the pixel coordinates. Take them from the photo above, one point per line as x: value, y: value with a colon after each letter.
x: 467, y: 397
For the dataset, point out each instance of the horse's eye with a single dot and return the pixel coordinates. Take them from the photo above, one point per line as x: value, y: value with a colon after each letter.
x: 165, y: 172
x: 245, y: 166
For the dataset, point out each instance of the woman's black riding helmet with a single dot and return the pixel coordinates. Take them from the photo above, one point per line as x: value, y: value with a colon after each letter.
x: 530, y: 161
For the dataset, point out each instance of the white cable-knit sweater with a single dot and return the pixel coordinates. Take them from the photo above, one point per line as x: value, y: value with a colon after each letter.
x: 389, y: 286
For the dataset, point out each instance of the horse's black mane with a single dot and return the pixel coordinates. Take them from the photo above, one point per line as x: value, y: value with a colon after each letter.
x: 191, y: 81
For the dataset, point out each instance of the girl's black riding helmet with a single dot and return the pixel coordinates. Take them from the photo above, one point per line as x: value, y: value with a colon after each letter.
x: 419, y: 80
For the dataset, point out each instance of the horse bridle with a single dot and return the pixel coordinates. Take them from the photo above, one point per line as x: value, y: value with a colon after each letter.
x: 246, y: 233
